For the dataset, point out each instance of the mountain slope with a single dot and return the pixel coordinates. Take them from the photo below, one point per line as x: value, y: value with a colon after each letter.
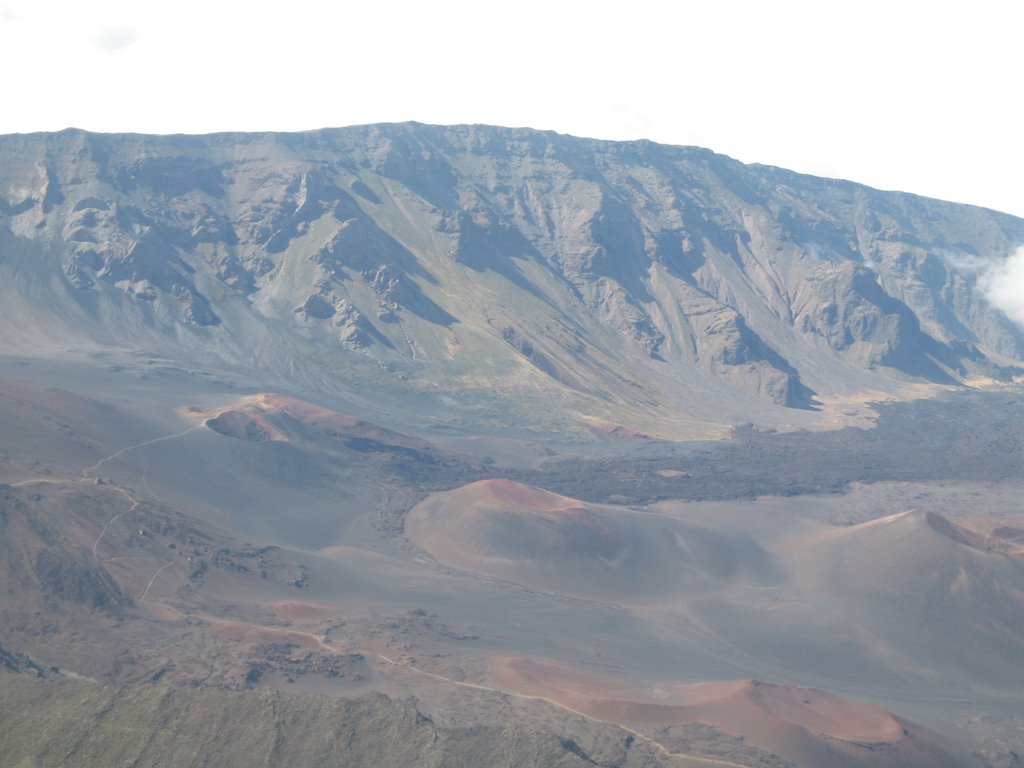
x: 527, y: 271
x: 68, y: 722
x: 374, y: 409
x: 564, y: 546
x: 941, y: 593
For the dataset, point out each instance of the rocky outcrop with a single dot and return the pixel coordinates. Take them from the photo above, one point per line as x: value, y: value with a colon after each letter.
x: 76, y: 580
x: 629, y: 263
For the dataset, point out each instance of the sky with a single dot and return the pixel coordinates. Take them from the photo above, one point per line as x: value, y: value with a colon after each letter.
x: 903, y: 95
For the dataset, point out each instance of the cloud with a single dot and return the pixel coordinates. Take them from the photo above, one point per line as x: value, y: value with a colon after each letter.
x: 1003, y: 284
x: 116, y: 38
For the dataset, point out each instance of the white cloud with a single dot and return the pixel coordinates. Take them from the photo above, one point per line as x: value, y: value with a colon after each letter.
x: 115, y: 38
x: 10, y: 12
x: 1003, y: 284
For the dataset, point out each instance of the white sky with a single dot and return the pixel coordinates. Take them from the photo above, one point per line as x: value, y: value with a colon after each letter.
x: 922, y: 97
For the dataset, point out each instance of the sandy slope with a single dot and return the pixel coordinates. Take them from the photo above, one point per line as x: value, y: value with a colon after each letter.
x: 805, y: 725
x: 561, y: 545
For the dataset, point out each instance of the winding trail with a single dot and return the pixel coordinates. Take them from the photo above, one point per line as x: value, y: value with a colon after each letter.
x: 34, y: 480
x: 135, y: 502
x: 90, y: 470
x: 145, y: 592
x: 691, y: 759
x: 132, y: 508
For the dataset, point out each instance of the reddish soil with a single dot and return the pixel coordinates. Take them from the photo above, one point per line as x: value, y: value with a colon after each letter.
x: 333, y: 423
x: 758, y: 711
x: 251, y: 427
x: 524, y: 498
x: 303, y: 411
x: 828, y: 714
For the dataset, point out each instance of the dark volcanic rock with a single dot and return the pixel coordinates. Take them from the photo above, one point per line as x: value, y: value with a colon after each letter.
x: 79, y: 581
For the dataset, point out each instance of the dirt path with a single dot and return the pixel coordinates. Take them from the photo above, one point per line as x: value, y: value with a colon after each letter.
x: 132, y: 508
x: 90, y: 470
x: 134, y: 501
x: 34, y: 480
x: 689, y: 760
x: 145, y: 592
x: 696, y: 761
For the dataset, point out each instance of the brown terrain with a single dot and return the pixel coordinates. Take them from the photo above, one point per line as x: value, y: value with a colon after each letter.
x: 103, y: 551
x: 793, y: 722
x: 407, y: 445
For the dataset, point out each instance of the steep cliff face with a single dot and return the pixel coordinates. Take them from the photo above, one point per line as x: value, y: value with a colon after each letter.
x: 630, y: 276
